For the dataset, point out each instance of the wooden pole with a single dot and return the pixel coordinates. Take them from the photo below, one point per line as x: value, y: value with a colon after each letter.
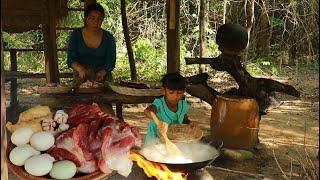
x: 202, y: 33
x: 126, y: 33
x: 13, y: 83
x: 49, y: 37
x: 173, y: 36
x: 4, y: 167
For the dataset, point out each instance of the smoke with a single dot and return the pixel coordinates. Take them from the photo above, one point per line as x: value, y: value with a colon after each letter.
x: 190, y: 153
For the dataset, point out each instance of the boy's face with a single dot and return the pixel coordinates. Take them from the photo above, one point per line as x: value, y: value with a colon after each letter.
x: 172, y: 96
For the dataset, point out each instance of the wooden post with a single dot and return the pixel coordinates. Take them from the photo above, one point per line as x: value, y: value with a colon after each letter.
x: 49, y: 37
x: 119, y: 111
x: 4, y: 167
x: 13, y: 82
x: 126, y: 33
x: 173, y: 36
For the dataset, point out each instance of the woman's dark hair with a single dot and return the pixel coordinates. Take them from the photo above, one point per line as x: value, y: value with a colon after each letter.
x: 94, y: 7
x: 173, y: 81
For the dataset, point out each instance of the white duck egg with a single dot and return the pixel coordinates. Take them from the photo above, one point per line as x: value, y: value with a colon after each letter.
x: 20, y: 154
x: 21, y: 136
x: 38, y: 165
x: 64, y: 169
x: 42, y: 140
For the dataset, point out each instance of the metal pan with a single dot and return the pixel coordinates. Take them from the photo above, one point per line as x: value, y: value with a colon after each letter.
x: 203, y: 154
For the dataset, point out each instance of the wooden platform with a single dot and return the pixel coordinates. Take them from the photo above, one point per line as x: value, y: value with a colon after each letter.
x: 66, y: 100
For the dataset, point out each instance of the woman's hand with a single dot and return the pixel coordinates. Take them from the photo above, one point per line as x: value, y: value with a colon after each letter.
x: 163, y: 127
x: 100, y: 75
x: 82, y: 72
x: 80, y: 69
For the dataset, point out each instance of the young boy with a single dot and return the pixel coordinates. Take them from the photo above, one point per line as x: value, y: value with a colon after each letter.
x: 170, y: 109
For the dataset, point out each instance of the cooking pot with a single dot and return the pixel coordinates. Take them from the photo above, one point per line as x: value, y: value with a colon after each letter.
x: 201, y: 154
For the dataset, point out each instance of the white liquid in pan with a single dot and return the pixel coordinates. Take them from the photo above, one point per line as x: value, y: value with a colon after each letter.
x: 177, y: 160
x: 190, y: 153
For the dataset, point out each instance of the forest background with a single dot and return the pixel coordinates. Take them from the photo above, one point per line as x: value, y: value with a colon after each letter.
x: 282, y: 33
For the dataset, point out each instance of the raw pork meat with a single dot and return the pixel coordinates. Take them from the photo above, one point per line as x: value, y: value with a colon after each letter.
x: 82, y: 113
x: 73, y: 145
x: 96, y: 141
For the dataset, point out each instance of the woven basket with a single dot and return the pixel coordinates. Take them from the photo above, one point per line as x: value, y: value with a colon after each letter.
x: 183, y: 133
x: 21, y: 173
x: 135, y: 92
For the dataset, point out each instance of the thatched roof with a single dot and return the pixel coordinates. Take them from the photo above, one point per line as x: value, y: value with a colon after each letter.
x: 24, y: 15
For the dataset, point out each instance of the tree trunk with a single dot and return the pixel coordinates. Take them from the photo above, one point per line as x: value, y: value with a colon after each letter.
x: 271, y: 22
x: 249, y: 23
x: 264, y: 43
x: 202, y: 33
x: 133, y: 70
x: 224, y: 11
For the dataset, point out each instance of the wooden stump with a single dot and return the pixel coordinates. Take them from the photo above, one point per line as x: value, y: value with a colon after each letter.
x: 235, y: 121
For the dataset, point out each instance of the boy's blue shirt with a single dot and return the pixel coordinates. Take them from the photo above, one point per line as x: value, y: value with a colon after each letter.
x: 164, y: 113
x: 104, y: 55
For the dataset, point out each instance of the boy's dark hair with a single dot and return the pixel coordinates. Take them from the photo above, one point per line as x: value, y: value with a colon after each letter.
x: 173, y: 81
x: 94, y: 7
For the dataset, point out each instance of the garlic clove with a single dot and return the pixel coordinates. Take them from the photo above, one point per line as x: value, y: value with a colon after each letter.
x: 63, y: 127
x: 57, y: 116
x: 64, y: 120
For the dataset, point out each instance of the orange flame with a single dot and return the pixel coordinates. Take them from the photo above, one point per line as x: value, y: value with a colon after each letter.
x: 158, y: 170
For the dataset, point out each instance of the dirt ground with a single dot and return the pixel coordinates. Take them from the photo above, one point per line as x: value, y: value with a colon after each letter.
x: 289, y: 135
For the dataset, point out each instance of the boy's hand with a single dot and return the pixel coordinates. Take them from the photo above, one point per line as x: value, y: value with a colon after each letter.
x: 192, y: 124
x: 162, y: 127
